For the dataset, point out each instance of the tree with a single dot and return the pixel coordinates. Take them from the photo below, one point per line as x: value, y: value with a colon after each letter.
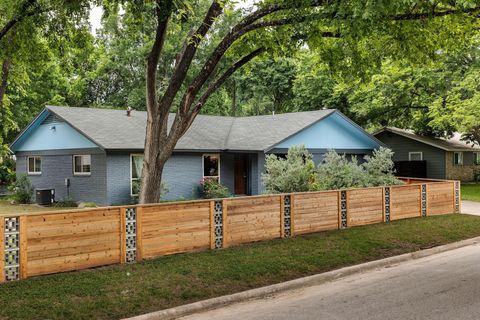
x: 353, y: 24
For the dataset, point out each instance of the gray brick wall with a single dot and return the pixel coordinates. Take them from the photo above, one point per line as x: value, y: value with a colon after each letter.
x: 56, y: 168
x: 118, y: 179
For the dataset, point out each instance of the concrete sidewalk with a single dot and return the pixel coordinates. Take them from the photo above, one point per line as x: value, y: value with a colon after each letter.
x: 471, y: 207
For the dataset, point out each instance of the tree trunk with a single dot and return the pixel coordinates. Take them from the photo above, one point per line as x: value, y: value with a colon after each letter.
x: 4, y: 81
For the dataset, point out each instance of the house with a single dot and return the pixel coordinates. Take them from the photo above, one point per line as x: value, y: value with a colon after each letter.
x: 96, y: 154
x: 443, y: 158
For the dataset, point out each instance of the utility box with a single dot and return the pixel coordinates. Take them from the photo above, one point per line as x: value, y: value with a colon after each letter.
x: 45, y: 196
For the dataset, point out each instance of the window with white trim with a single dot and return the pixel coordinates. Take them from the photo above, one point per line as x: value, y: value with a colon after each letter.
x: 136, y: 167
x: 415, y: 156
x: 82, y: 165
x: 34, y: 165
x: 458, y: 158
x: 211, y: 166
x: 476, y: 158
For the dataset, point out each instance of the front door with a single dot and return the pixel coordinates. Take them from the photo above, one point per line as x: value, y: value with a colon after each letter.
x: 240, y: 174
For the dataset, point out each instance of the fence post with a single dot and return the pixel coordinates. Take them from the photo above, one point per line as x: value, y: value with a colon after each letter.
x: 23, y: 248
x: 130, y: 235
x: 457, y: 200
x: 11, y: 250
x: 123, y: 236
x: 387, y: 191
x: 139, y: 234
x: 225, y: 223
x: 212, y: 224
x: 2, y: 250
x: 423, y: 199
x: 292, y: 215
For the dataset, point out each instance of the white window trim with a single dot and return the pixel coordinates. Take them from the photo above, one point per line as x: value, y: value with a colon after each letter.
x: 415, y: 152
x: 461, y: 157
x: 34, y: 173
x: 477, y: 155
x: 81, y: 173
x: 130, y: 177
x: 203, y: 166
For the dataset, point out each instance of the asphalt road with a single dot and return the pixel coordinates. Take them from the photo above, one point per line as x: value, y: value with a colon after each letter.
x: 443, y: 286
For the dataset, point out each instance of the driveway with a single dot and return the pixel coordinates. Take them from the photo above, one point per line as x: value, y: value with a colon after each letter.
x: 471, y: 207
x: 441, y: 287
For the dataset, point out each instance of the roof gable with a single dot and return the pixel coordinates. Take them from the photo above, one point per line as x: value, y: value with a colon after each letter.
x: 48, y: 132
x: 336, y: 131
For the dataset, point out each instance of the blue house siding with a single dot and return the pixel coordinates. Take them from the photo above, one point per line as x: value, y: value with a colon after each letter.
x: 333, y: 132
x: 57, y: 167
x: 182, y: 175
x: 118, y: 179
x: 227, y: 171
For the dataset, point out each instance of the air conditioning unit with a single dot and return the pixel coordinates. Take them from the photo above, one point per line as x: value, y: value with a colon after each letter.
x: 45, y: 196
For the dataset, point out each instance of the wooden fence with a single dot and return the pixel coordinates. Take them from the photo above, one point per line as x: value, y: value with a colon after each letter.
x: 44, y: 243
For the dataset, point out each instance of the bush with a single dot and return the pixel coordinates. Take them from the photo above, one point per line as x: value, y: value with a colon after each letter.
x: 297, y: 173
x: 22, y: 189
x: 212, y: 189
x: 294, y: 173
x: 67, y: 202
x: 337, y: 172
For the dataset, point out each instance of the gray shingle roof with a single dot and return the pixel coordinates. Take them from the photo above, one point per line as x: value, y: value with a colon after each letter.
x: 453, y: 144
x: 113, y: 130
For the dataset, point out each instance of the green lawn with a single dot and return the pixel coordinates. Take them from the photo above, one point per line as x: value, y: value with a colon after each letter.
x: 126, y: 290
x: 471, y: 192
x: 8, y: 209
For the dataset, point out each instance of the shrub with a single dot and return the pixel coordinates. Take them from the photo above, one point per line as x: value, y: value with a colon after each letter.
x: 22, y: 189
x: 67, y: 202
x: 294, y: 173
x: 7, y: 170
x: 212, y: 189
x: 338, y: 172
x: 379, y: 168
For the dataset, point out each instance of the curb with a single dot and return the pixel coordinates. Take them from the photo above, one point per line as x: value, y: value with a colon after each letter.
x: 305, y: 282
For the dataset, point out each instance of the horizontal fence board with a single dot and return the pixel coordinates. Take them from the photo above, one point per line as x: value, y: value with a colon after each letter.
x: 250, y: 220
x: 441, y: 198
x: 405, y: 202
x: 316, y: 212
x: 175, y: 228
x: 72, y: 241
x: 365, y: 206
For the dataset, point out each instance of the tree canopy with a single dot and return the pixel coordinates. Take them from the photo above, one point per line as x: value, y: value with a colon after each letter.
x: 412, y: 64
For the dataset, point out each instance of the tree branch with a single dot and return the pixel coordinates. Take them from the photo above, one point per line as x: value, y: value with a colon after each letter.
x: 214, y: 86
x: 163, y: 12
x: 433, y: 14
x: 181, y: 69
x: 24, y: 13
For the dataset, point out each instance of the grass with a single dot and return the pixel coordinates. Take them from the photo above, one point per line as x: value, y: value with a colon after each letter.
x: 471, y: 192
x: 125, y: 290
x: 7, y: 209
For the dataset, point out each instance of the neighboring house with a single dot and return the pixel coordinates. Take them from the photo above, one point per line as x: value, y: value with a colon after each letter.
x: 445, y: 158
x: 100, y: 151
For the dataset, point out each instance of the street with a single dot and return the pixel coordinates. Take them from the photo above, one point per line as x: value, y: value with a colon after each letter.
x: 442, y: 286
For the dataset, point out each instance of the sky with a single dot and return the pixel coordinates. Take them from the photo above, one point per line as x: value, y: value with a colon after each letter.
x: 96, y: 13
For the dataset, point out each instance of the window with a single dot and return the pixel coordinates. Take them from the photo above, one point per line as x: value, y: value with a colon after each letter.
x: 34, y: 165
x: 415, y: 156
x: 136, y: 166
x: 82, y: 165
x: 211, y: 166
x: 458, y: 158
x: 476, y: 158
